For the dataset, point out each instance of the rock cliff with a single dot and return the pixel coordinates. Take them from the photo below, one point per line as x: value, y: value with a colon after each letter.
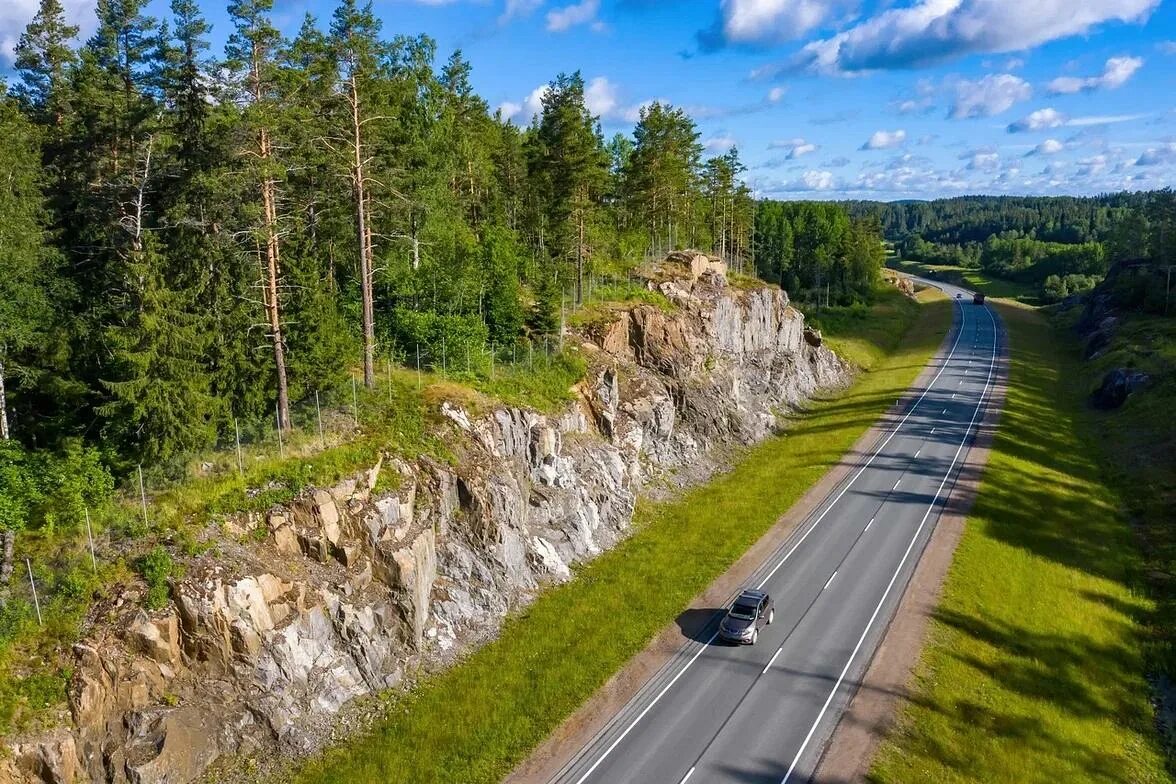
x: 265, y: 643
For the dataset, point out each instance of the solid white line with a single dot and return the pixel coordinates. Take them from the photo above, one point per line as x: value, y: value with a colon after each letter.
x: 830, y: 580
x: 689, y: 773
x: 828, y: 508
x: 910, y: 547
x: 770, y: 661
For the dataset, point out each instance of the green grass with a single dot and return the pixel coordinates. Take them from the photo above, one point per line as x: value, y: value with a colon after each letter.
x: 1034, y: 671
x: 971, y: 278
x: 476, y: 721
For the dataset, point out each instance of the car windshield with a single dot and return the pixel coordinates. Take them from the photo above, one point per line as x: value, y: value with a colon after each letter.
x: 744, y: 611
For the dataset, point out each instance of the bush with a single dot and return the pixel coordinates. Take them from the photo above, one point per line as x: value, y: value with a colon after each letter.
x: 50, y: 492
x: 156, y: 567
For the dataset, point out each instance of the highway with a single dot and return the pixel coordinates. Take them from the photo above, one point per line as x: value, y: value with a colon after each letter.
x: 762, y: 714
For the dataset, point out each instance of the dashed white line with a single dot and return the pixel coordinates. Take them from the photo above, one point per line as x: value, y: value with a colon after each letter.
x: 867, y: 528
x: 689, y: 773
x: 932, y: 431
x: 830, y: 580
x: 896, y: 484
x: 944, y: 411
x: 870, y: 623
x: 918, y: 453
x: 770, y: 662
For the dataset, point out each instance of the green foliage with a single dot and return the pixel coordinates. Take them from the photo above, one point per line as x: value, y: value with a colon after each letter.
x: 50, y: 491
x: 156, y: 568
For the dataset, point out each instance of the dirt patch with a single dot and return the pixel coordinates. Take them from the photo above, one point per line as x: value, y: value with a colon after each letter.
x: 874, y: 708
x: 583, y: 725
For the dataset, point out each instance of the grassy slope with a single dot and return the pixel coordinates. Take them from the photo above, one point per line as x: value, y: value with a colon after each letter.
x: 474, y: 722
x: 1034, y: 670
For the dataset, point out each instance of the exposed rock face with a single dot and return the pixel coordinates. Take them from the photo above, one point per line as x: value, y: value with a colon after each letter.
x: 1116, y: 386
x: 265, y: 642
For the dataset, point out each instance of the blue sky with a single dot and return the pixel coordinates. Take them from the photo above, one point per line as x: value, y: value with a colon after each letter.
x: 878, y: 99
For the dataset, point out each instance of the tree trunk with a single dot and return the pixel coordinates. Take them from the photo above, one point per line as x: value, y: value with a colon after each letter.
x: 9, y: 543
x: 365, y: 247
x: 4, y: 434
x: 273, y: 271
x: 580, y: 260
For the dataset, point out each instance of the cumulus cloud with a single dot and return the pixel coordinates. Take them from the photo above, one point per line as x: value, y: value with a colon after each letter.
x: 15, y: 15
x: 1048, y: 147
x: 991, y: 95
x: 1039, y: 120
x: 776, y: 94
x: 932, y: 31
x: 1158, y: 156
x: 760, y: 22
x: 884, y: 140
x: 567, y: 17
x: 984, y: 159
x: 1115, y: 74
x: 796, y: 147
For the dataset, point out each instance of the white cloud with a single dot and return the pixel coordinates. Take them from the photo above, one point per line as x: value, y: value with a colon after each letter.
x: 884, y: 140
x: 560, y: 19
x: 601, y: 96
x: 530, y: 106
x: 518, y: 8
x: 1039, y: 120
x: 776, y: 94
x: 931, y: 31
x: 1158, y: 156
x: 1049, y: 147
x: 981, y: 160
x: 818, y: 180
x: 1115, y: 74
x: 1167, y: 47
x: 720, y: 143
x: 796, y: 147
x: 766, y: 21
x: 991, y: 95
x: 15, y: 16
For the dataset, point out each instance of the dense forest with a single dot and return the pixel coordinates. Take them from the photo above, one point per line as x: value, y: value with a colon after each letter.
x: 192, y: 241
x: 1060, y: 245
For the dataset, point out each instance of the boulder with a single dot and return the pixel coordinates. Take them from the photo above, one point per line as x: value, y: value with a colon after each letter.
x: 1117, y: 385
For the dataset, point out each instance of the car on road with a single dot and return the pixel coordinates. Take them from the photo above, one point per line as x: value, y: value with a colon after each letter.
x: 977, y: 298
x: 751, y: 611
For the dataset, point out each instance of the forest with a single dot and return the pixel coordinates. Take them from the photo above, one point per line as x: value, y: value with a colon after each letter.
x: 1059, y: 245
x: 194, y: 244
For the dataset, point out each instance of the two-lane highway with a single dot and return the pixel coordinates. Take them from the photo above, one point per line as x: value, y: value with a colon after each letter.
x: 763, y: 713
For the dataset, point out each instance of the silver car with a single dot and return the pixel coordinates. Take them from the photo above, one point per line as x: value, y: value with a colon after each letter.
x: 751, y: 611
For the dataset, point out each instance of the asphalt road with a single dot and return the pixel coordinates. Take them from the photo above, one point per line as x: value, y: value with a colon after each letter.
x: 762, y: 714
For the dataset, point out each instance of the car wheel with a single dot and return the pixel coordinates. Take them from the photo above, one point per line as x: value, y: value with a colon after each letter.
x: 771, y: 616
x: 754, y: 636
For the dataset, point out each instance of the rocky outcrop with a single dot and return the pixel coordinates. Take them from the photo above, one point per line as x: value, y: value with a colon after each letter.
x: 265, y: 642
x: 1117, y: 385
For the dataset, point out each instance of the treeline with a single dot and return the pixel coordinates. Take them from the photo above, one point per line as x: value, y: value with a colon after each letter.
x: 967, y: 220
x: 817, y: 252
x: 189, y: 240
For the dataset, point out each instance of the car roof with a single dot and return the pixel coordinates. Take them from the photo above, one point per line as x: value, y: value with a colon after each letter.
x: 754, y: 595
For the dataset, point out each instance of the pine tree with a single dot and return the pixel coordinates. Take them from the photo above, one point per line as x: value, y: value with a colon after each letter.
x: 43, y: 60
x: 251, y: 51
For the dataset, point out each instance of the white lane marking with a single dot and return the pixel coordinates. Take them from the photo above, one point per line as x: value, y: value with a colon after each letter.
x: 932, y: 431
x: 829, y: 581
x: 867, y: 528
x: 770, y: 662
x: 918, y: 453
x: 869, y: 624
x: 953, y: 396
x: 813, y: 527
x: 689, y: 773
x: 896, y: 484
x: 944, y: 411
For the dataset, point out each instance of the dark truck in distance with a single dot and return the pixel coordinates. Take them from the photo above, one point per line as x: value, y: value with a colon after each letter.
x: 978, y: 298
x: 751, y: 611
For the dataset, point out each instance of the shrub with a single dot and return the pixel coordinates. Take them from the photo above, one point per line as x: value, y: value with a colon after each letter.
x: 156, y: 567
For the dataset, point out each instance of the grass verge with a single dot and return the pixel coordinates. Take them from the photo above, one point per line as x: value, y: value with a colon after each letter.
x: 1034, y: 671
x: 476, y: 721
